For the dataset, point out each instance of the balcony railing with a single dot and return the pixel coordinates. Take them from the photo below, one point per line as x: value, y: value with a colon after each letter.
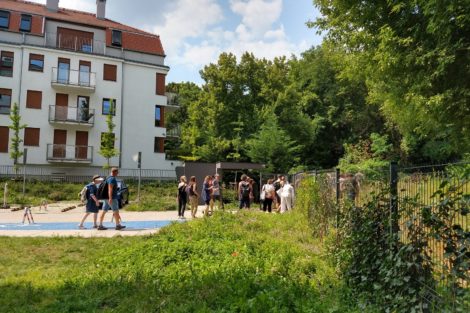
x: 174, y: 132
x: 75, y: 79
x: 71, y: 115
x: 74, y: 43
x: 69, y: 154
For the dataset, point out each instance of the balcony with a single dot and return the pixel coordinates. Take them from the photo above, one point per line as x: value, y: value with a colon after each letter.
x: 71, y: 115
x: 74, y: 43
x: 73, y: 80
x: 173, y: 132
x: 69, y: 154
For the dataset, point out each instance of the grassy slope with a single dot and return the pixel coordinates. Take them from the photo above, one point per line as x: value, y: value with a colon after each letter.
x: 248, y: 262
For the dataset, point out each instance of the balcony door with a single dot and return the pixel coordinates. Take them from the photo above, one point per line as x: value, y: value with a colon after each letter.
x: 84, y: 75
x: 83, y: 108
x: 61, y: 106
x: 63, y: 71
x: 60, y: 142
x: 81, y: 145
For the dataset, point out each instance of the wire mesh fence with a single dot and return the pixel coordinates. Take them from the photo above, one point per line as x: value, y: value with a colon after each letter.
x: 434, y: 199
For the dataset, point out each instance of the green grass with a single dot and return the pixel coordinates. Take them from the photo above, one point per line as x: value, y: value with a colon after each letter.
x: 245, y: 262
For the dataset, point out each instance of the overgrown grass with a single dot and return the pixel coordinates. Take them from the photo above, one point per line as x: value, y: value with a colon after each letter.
x: 245, y: 262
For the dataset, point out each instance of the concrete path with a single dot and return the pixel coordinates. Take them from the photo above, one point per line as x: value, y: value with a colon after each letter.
x: 55, y: 214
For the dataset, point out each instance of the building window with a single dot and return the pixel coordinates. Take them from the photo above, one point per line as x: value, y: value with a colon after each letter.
x: 6, y: 64
x: 159, y: 145
x: 4, y: 137
x: 159, y: 116
x: 4, y: 19
x: 109, y: 107
x: 25, y: 23
x: 116, y: 38
x: 107, y: 138
x: 31, y: 137
x: 160, y: 84
x: 36, y: 62
x: 33, y: 99
x: 110, y: 72
x: 5, y: 101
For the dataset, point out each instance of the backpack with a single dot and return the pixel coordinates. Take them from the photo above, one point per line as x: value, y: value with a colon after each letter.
x: 189, y: 190
x: 102, y: 193
x: 83, y: 194
x: 245, y: 190
x: 182, y: 191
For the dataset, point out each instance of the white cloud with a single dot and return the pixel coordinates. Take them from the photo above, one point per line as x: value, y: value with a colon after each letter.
x: 188, y: 19
x: 257, y: 15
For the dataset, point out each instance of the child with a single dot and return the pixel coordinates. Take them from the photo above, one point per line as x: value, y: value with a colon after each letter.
x: 28, y: 214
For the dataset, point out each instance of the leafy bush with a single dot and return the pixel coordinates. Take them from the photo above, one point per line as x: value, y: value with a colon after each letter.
x: 369, y: 156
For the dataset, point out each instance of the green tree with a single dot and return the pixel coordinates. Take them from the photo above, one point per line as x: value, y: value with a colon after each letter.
x: 108, y: 138
x: 273, y: 147
x: 414, y: 55
x: 16, y: 127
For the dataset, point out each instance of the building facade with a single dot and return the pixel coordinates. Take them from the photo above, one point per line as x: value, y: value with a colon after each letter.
x: 68, y: 70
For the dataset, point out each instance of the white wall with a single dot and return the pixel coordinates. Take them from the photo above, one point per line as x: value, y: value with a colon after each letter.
x: 139, y: 129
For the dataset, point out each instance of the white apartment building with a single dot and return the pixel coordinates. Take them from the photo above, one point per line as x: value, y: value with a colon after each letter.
x: 65, y: 69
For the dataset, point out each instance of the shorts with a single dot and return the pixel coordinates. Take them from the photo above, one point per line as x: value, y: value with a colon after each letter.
x: 92, y: 208
x: 114, y: 206
x: 244, y: 202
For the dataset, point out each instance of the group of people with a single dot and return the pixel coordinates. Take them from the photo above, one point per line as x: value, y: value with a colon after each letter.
x: 210, y: 193
x: 110, y: 201
x: 275, y: 195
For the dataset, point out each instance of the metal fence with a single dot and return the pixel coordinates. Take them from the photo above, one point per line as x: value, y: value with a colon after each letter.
x: 413, y: 196
x: 81, y: 174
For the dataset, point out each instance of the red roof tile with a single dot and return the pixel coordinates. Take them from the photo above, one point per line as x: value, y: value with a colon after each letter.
x: 139, y: 40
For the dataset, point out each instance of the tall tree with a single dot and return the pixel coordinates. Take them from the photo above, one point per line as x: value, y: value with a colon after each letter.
x: 16, y: 127
x: 415, y: 57
x: 273, y: 147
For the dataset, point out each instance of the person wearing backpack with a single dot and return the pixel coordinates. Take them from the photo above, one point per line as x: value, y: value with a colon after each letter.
x: 88, y: 195
x: 111, y: 200
x: 244, y: 192
x: 182, y: 196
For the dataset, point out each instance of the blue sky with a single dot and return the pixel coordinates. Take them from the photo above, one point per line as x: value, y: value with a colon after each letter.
x: 195, y: 32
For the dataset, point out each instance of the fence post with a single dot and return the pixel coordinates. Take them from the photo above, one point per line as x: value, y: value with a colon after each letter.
x: 337, y: 196
x: 394, y: 228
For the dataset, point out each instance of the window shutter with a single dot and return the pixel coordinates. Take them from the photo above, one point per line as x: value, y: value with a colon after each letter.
x: 110, y: 72
x: 34, y: 99
x: 31, y: 137
x: 4, y: 138
x: 160, y: 88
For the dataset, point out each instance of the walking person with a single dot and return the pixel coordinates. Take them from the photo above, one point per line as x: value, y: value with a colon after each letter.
x: 206, y: 194
x: 193, y: 195
x: 216, y: 194
x: 286, y: 193
x: 268, y: 194
x: 277, y: 199
x: 182, y: 196
x: 244, y: 192
x: 92, y: 203
x: 112, y: 201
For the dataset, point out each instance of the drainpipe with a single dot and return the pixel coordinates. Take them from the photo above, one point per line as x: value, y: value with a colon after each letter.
x: 122, y: 114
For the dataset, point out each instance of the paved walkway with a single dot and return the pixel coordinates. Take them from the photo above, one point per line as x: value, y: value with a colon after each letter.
x: 55, y: 214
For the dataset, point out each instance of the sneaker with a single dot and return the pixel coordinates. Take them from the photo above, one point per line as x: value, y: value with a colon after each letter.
x: 119, y: 227
x: 101, y: 227
x: 81, y: 227
x: 95, y: 226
